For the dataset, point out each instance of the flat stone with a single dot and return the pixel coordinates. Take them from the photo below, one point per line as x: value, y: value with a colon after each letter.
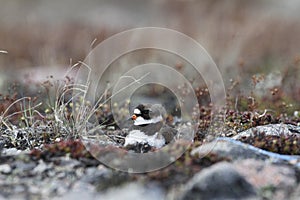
x: 270, y: 130
x: 236, y: 150
x: 229, y: 148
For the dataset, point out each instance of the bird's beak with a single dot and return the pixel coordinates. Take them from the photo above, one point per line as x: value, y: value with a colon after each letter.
x: 133, y: 117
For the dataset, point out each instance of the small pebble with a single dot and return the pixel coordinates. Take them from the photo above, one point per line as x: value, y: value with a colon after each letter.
x: 5, y: 168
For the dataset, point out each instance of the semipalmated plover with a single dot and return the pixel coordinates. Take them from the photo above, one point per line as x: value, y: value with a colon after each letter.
x: 149, y: 128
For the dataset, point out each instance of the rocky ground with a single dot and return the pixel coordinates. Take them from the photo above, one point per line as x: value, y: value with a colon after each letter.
x: 226, y: 168
x: 256, y: 48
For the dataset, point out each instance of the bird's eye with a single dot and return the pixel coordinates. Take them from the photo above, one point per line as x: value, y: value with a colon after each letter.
x: 146, y: 112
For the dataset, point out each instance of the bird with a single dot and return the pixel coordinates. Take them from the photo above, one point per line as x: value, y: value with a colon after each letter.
x: 149, y: 128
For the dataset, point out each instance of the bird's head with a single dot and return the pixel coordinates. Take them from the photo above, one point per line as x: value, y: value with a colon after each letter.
x: 148, y: 114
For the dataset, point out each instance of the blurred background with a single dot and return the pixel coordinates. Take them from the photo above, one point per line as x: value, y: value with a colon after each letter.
x: 246, y: 39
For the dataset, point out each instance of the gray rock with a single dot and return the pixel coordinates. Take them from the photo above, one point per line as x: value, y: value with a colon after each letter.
x: 135, y: 190
x: 93, y: 175
x: 273, y: 181
x: 41, y: 167
x: 296, y: 194
x: 5, y: 168
x: 23, y: 168
x: 271, y: 130
x: 67, y: 162
x: 11, y: 152
x: 103, y: 178
x: 236, y: 150
x: 78, y: 193
x: 221, y: 181
x: 125, y: 192
x: 229, y: 148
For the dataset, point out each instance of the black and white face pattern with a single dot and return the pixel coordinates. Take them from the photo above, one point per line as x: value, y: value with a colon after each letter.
x: 142, y: 116
x: 142, y: 111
